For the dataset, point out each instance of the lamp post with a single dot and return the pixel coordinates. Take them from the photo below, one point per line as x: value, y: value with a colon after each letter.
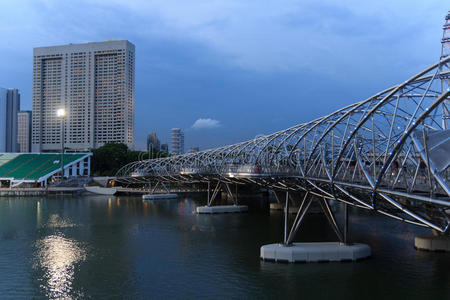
x: 61, y: 113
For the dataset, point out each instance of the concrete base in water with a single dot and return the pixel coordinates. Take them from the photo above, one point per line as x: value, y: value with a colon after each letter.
x: 279, y: 206
x: 294, y: 209
x: 432, y: 242
x: 314, y: 252
x: 222, y: 209
x: 159, y: 196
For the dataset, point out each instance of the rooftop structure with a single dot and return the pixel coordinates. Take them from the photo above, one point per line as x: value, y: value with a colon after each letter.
x: 40, y: 168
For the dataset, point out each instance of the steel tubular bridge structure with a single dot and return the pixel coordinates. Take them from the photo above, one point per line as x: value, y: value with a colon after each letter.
x: 389, y: 153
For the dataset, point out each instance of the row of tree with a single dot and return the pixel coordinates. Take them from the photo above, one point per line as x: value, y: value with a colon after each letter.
x: 108, y: 159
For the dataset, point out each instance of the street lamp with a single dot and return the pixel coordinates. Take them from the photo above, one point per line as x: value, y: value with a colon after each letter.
x: 61, y: 113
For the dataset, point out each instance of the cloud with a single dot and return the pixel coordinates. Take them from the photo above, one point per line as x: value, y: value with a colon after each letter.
x: 290, y: 35
x: 206, y: 124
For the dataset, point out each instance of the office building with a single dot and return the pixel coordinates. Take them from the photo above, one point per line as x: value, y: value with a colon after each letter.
x: 153, y: 143
x: 9, y: 107
x: 177, y: 141
x: 24, y: 131
x: 94, y: 83
x: 165, y: 148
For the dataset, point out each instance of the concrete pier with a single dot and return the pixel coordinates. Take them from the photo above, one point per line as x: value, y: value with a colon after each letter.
x: 222, y: 209
x: 431, y: 242
x: 39, y: 192
x: 280, y: 206
x: 314, y: 252
x: 294, y: 209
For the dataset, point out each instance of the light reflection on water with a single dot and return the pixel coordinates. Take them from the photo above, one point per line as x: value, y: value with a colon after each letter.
x: 105, y: 247
x: 57, y: 257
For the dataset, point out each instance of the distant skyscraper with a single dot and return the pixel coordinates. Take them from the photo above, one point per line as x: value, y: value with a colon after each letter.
x: 177, y: 141
x: 9, y: 107
x: 194, y: 149
x: 24, y: 131
x: 94, y: 82
x: 153, y: 142
x: 165, y: 148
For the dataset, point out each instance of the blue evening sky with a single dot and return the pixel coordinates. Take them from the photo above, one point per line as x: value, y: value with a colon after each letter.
x: 234, y: 68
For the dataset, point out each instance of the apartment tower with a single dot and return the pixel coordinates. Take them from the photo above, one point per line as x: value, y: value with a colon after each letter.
x: 94, y: 83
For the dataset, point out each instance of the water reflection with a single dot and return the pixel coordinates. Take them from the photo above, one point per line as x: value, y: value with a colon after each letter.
x: 38, y: 214
x: 57, y: 257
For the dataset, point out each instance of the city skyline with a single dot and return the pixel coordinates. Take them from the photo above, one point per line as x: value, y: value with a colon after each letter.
x: 202, y: 64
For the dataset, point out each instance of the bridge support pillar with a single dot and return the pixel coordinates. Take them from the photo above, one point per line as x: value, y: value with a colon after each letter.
x: 313, y: 252
x: 286, y: 219
x: 279, y: 205
x: 345, y: 223
x: 219, y: 209
x: 431, y: 242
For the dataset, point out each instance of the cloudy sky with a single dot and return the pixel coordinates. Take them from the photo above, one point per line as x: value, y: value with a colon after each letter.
x: 227, y: 70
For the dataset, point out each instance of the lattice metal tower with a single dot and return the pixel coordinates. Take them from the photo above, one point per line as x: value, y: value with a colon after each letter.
x: 445, y: 77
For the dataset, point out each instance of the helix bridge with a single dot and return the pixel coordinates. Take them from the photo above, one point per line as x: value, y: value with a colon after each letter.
x: 389, y: 153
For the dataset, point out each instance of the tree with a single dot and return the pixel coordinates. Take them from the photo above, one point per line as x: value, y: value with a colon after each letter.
x: 109, y: 158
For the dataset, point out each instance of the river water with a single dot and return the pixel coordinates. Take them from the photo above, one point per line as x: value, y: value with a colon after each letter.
x: 120, y: 247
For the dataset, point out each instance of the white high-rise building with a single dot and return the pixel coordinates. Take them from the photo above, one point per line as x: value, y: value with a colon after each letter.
x: 9, y: 107
x: 94, y: 83
x: 177, y: 141
x: 24, y: 131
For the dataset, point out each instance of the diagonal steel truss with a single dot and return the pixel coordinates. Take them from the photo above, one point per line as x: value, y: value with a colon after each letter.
x: 389, y: 153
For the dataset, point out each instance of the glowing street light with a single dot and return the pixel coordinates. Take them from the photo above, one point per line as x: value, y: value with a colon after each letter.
x: 61, y: 113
